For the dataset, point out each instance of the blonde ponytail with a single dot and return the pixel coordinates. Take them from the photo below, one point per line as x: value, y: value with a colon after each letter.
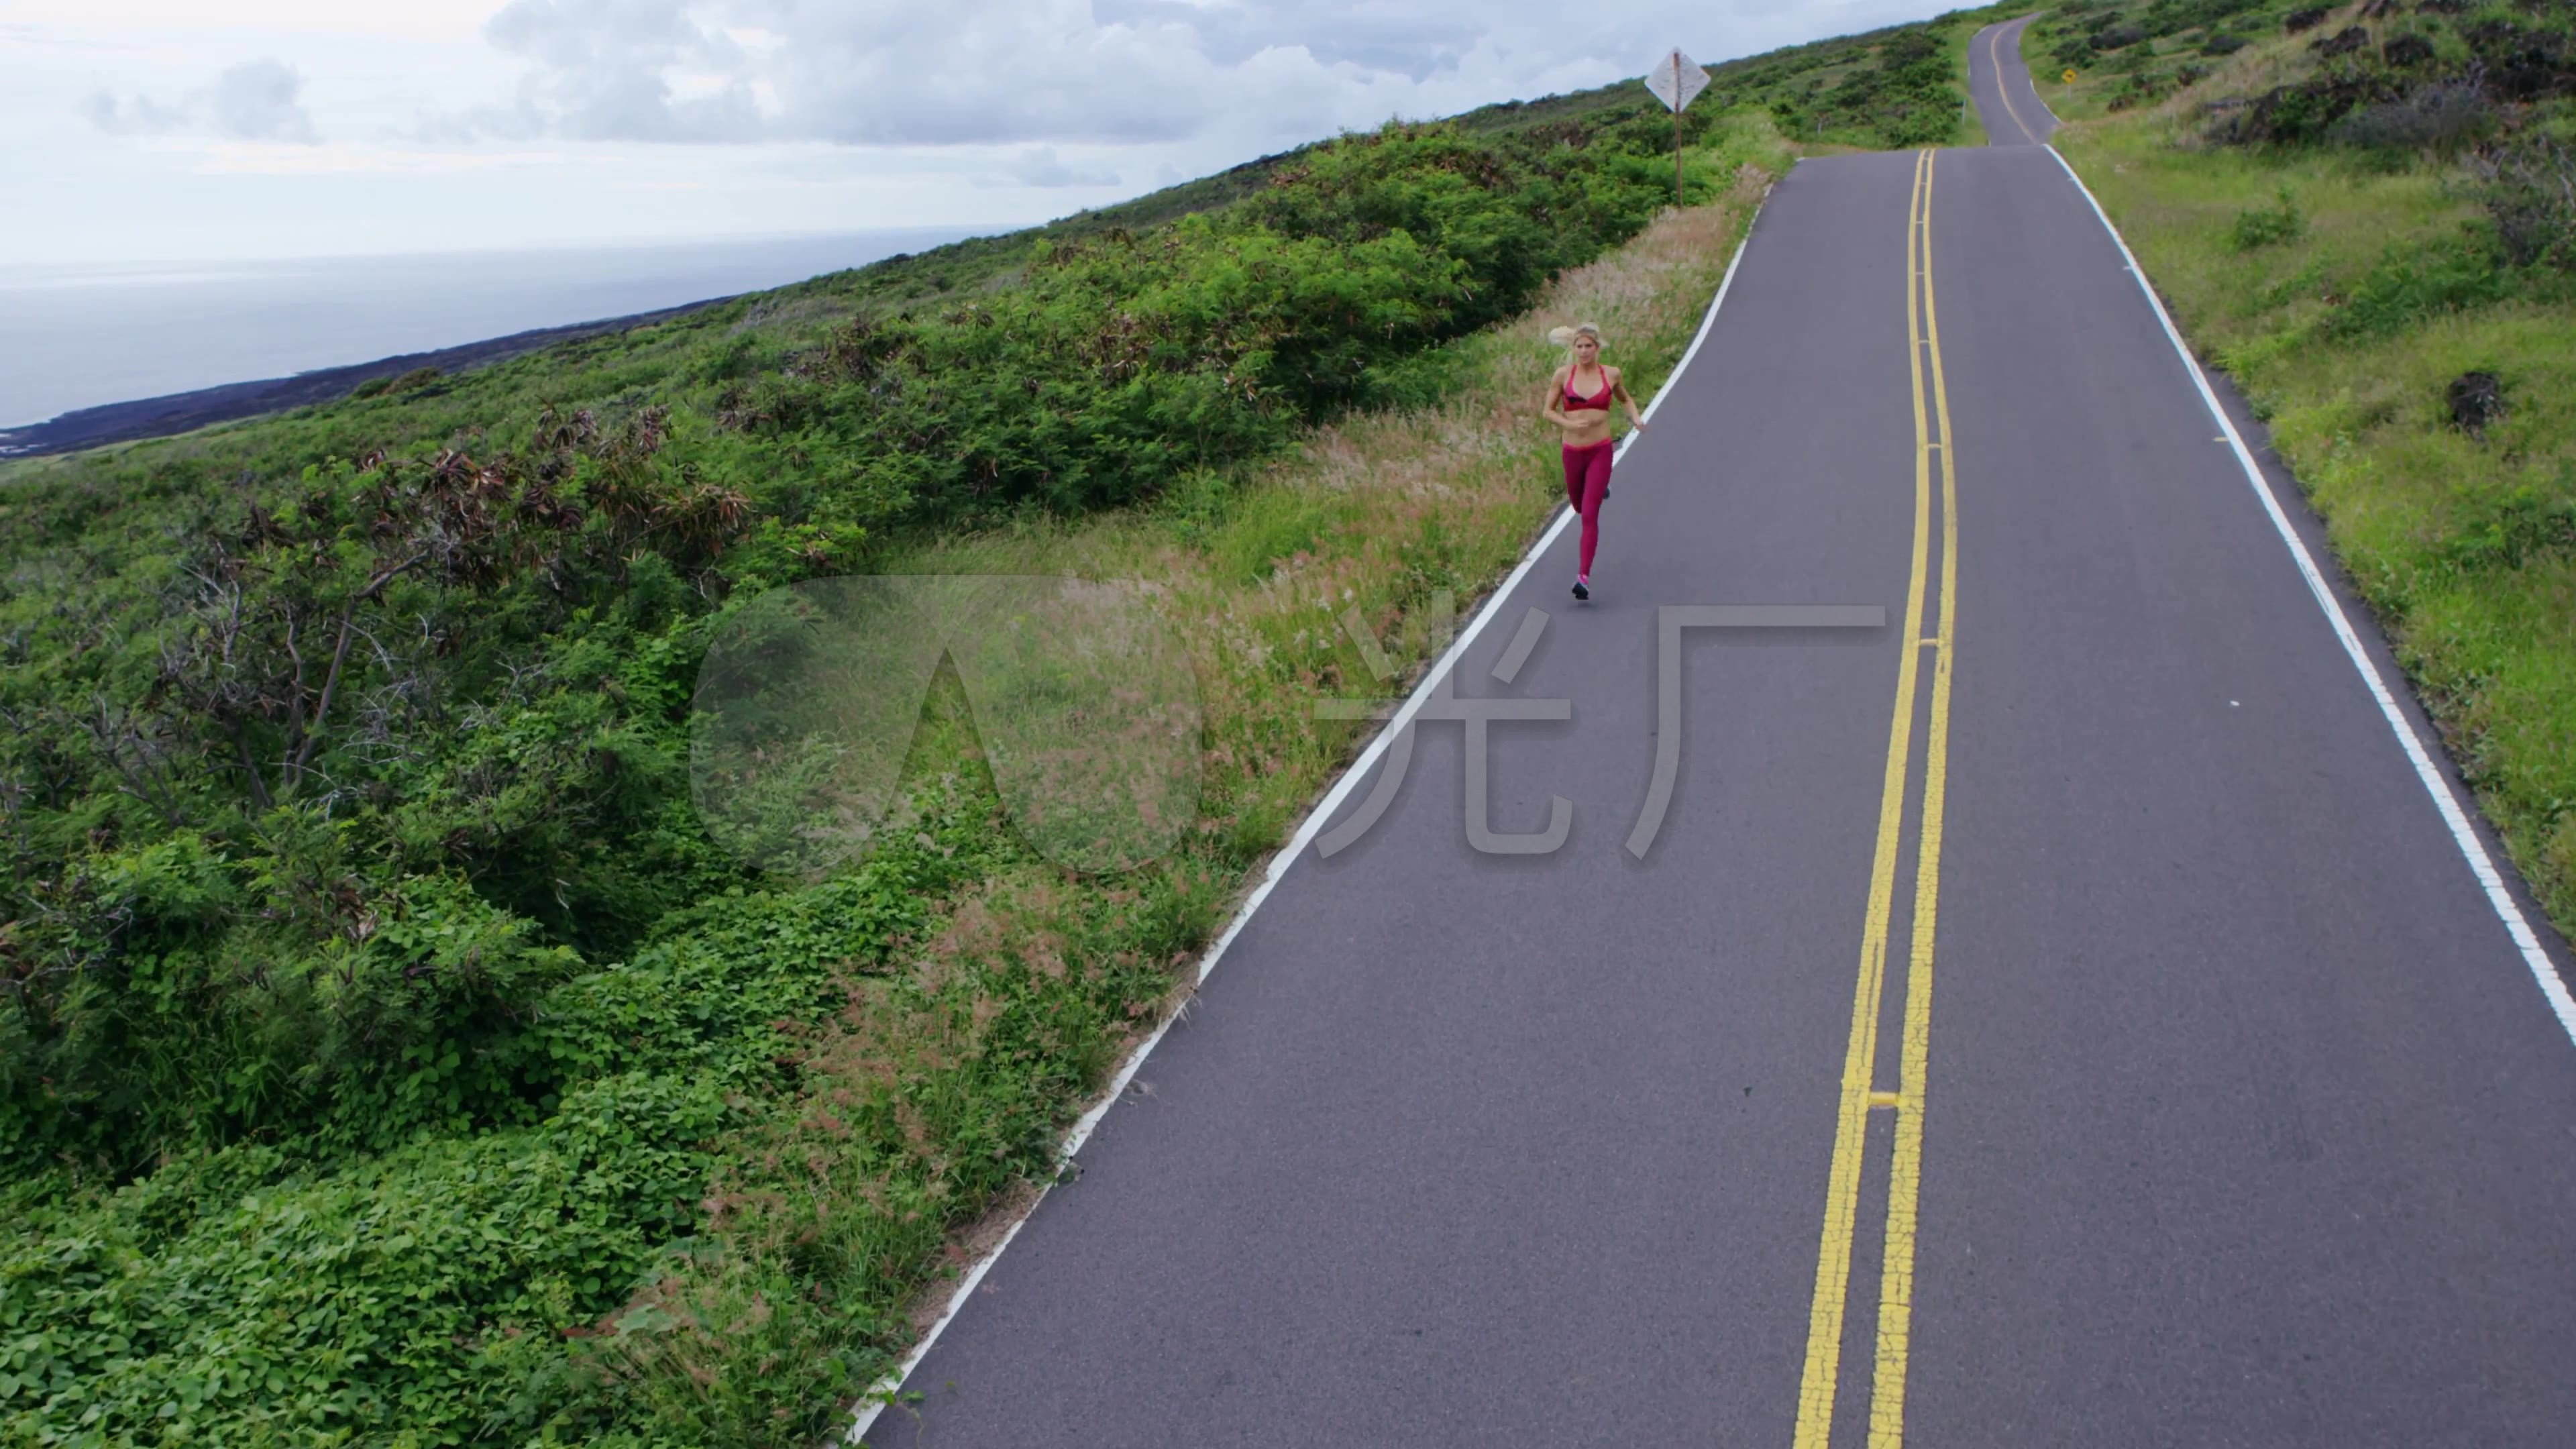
x: 1564, y: 336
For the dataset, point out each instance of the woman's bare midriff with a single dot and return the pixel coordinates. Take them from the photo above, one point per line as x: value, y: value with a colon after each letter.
x: 1591, y: 425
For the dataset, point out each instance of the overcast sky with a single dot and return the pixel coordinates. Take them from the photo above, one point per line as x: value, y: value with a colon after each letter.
x: 150, y: 130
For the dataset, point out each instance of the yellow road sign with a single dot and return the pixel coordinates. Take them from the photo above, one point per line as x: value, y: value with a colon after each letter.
x: 2070, y: 75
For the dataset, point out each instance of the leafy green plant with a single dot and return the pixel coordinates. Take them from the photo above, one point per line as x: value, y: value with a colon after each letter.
x: 2510, y: 527
x: 2529, y: 188
x: 2258, y: 227
x: 2442, y: 117
x: 2411, y: 284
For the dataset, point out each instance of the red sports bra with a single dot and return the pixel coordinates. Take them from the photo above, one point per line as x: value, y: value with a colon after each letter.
x: 1577, y: 403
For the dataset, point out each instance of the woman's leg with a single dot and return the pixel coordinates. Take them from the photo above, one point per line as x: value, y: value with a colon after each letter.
x: 1596, y: 484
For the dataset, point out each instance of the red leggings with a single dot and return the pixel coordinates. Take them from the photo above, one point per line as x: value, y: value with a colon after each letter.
x: 1587, y: 482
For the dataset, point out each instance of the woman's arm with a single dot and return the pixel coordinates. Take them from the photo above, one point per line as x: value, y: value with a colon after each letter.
x: 1619, y: 390
x: 1554, y: 408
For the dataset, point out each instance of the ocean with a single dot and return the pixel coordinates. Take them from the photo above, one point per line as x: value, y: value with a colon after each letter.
x: 75, y: 336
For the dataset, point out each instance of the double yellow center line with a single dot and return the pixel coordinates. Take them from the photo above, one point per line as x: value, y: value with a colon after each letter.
x: 1860, y: 1093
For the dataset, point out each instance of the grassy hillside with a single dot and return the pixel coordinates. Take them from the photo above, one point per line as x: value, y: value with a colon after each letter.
x: 389, y: 1054
x: 2367, y: 214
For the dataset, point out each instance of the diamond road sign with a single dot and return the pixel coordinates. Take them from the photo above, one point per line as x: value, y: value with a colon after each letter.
x: 1676, y: 79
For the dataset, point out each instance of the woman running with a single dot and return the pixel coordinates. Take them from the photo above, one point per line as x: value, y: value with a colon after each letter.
x: 1581, y: 406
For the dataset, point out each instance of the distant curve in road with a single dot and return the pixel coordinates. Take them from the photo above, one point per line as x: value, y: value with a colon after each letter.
x: 2007, y: 103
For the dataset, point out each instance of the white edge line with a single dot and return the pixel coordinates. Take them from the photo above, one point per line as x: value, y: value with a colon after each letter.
x: 875, y: 1403
x: 2463, y: 833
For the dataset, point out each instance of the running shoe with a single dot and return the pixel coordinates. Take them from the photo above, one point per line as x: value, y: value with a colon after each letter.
x: 1580, y: 591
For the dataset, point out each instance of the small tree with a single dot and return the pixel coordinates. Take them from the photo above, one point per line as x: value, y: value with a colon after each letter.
x: 271, y: 616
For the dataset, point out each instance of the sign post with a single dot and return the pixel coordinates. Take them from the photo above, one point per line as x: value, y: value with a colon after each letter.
x: 1675, y: 80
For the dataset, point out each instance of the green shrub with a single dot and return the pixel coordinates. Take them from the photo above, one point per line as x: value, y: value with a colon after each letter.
x: 2412, y: 284
x: 2529, y: 188
x: 1898, y: 87
x: 2442, y: 118
x: 409, y: 1294
x: 2265, y: 226
x: 2173, y: 17
x: 2507, y: 528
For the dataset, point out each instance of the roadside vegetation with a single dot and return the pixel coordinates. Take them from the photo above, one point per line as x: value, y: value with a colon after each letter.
x: 389, y: 1055
x: 2367, y: 215
x: 1887, y: 90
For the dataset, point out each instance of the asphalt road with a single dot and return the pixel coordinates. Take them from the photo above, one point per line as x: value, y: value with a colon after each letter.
x: 2234, y: 1116
x: 2010, y: 108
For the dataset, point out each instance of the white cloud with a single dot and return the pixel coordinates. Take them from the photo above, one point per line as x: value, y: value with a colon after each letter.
x: 256, y: 100
x: 153, y: 20
x: 342, y: 158
x: 141, y: 117
x: 1039, y: 166
x: 969, y: 71
x: 1100, y: 72
x: 283, y: 127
